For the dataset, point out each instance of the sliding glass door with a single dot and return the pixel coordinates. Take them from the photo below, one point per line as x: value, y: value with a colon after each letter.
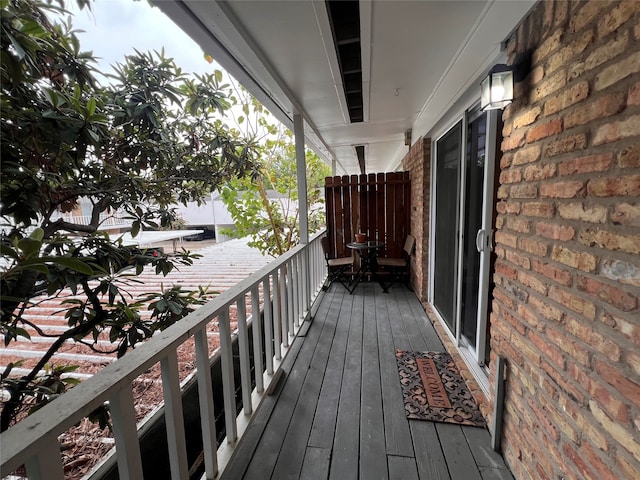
x: 464, y: 169
x: 448, y: 154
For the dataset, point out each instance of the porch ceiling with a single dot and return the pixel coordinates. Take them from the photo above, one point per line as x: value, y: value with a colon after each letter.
x: 418, y: 57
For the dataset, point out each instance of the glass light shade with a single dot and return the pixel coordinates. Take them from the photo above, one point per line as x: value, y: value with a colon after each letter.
x: 496, y: 90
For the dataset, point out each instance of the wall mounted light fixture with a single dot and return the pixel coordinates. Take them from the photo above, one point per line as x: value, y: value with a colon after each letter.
x: 496, y: 89
x: 407, y: 137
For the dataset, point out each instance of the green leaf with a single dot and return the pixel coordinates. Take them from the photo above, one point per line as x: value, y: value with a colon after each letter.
x: 91, y: 106
x: 73, y: 264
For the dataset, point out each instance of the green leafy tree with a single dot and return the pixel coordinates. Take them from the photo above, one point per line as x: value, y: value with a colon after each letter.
x: 265, y: 206
x: 153, y: 137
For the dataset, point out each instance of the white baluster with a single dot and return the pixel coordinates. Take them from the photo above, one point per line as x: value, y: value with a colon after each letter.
x: 173, y: 417
x: 207, y: 412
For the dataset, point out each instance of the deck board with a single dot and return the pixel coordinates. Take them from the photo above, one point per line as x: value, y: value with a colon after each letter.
x: 344, y: 465
x: 373, y: 460
x: 338, y: 413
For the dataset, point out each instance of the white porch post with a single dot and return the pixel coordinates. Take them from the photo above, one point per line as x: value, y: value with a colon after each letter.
x: 301, y: 169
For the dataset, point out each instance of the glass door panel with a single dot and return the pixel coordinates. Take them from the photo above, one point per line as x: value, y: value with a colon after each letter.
x: 472, y: 226
x: 448, y: 154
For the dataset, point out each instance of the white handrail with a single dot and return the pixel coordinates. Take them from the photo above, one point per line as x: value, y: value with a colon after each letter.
x: 284, y: 288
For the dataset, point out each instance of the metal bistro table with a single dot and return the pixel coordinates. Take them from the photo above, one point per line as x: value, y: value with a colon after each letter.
x: 368, y: 253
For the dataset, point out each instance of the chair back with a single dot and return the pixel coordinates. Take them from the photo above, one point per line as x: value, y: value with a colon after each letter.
x: 409, y: 243
x: 324, y: 242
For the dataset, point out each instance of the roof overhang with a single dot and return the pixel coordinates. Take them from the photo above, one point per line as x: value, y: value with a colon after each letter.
x: 418, y: 58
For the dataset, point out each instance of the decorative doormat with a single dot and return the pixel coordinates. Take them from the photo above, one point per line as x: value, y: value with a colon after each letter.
x: 433, y: 389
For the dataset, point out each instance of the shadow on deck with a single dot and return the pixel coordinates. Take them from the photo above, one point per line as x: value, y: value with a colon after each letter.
x: 338, y: 411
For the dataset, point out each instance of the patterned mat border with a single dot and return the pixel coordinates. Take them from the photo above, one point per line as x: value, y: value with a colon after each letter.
x: 447, y: 401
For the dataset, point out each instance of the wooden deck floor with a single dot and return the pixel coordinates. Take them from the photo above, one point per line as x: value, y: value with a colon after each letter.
x: 338, y: 413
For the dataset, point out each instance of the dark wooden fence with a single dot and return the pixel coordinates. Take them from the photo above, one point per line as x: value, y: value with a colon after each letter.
x: 375, y: 204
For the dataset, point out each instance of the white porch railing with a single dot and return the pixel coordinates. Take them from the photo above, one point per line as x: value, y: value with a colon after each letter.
x: 107, y: 220
x: 288, y: 285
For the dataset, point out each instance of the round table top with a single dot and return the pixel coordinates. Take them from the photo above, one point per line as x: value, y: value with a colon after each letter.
x: 371, y: 244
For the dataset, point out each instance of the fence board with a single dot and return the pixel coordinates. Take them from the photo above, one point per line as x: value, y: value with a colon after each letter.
x: 375, y: 204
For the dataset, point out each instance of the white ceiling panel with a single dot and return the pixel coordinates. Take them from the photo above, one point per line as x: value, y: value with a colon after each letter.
x: 418, y: 58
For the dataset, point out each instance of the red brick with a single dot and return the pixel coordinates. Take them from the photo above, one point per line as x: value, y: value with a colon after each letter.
x: 507, y: 128
x: 526, y: 155
x: 578, y: 211
x: 523, y: 191
x: 507, y: 239
x: 629, y: 330
x: 514, y: 322
x: 607, y: 400
x: 576, y: 351
x: 518, y: 259
x: 544, y: 130
x: 600, y: 55
x: 612, y: 132
x: 566, y: 145
x: 506, y: 270
x: 620, y: 70
x: 610, y: 240
x: 631, y: 468
x: 538, y: 209
x: 555, y: 231
x: 626, y: 214
x: 527, y: 117
x: 586, y: 13
x: 533, y: 246
x: 557, y: 274
x: 595, y: 461
x: 511, y: 176
x: 634, y: 95
x: 549, y: 351
x: 613, y: 19
x: 529, y: 354
x: 581, y: 467
x: 530, y: 318
x: 532, y: 281
x: 574, y: 302
x: 539, y: 172
x: 550, y: 44
x: 633, y: 360
x: 547, y: 310
x: 560, y: 379
x: 506, y: 159
x: 515, y: 289
x: 500, y: 296
x: 518, y: 225
x: 567, y: 54
x: 620, y: 271
x: 508, y: 207
x: 593, y: 339
x: 615, y: 187
x: 607, y: 293
x: 548, y: 86
x: 616, y: 377
x: 515, y: 140
x: 562, y: 422
x: 565, y: 99
x: 592, y: 163
x: 569, y: 189
x: 618, y: 431
x: 599, y: 108
x: 629, y: 157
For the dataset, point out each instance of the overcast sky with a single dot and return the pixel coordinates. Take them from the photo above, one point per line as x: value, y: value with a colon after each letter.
x: 113, y: 28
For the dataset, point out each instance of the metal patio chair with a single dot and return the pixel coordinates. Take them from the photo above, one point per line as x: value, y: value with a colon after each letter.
x: 337, y: 267
x: 398, y: 267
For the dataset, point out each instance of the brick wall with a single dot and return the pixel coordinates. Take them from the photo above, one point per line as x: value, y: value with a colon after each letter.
x: 417, y: 162
x: 565, y: 311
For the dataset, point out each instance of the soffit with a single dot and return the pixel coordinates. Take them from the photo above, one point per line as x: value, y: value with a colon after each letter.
x: 418, y: 58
